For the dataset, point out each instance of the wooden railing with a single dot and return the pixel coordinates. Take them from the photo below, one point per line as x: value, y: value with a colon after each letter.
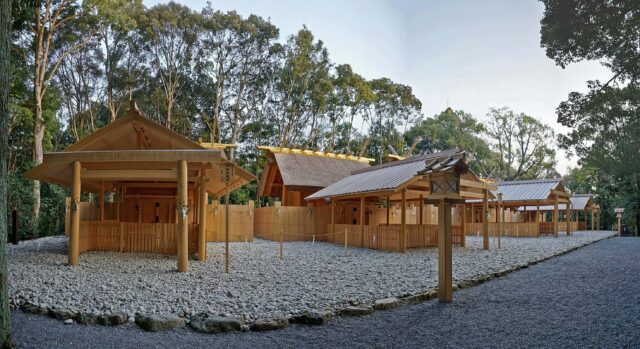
x: 514, y: 229
x: 133, y: 237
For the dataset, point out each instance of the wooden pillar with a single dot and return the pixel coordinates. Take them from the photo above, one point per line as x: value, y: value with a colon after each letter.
x: 226, y: 227
x: 74, y: 234
x: 333, y: 218
x: 584, y: 216
x: 463, y: 222
x: 101, y: 198
x: 555, y: 216
x: 538, y: 212
x: 619, y: 220
x: 499, y: 217
x: 445, y: 289
x: 202, y: 219
x: 388, y: 208
x: 485, y: 219
x: 421, y: 209
x: 182, y: 227
x: 362, y: 221
x: 403, y: 222
x: 118, y: 194
x: 592, y: 219
x: 568, y: 217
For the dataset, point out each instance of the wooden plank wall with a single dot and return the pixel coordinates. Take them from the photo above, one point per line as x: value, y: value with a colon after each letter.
x: 513, y: 229
x: 133, y: 237
x: 383, y: 237
x: 296, y: 223
x: 241, y: 222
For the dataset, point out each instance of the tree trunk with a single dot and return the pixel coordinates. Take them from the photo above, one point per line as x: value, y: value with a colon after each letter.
x: 38, y: 136
x: 6, y: 340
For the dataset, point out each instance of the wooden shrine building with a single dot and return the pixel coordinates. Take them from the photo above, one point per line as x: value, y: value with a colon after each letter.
x: 580, y: 204
x: 152, y: 183
x: 293, y: 174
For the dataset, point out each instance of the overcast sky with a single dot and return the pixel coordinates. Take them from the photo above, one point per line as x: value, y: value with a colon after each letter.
x: 469, y: 55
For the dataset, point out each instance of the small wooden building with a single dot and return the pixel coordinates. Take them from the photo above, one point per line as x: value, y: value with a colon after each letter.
x: 580, y: 204
x: 290, y: 175
x: 152, y: 183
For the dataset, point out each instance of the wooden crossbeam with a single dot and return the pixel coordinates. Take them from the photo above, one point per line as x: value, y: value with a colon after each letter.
x: 202, y: 155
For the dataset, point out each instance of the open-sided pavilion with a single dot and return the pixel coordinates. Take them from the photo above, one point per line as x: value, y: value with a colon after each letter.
x: 158, y: 183
x: 580, y: 203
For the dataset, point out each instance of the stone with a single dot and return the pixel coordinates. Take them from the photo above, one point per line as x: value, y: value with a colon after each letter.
x: 63, y: 314
x: 359, y: 310
x: 386, y: 303
x: 68, y: 321
x: 158, y: 322
x: 269, y: 324
x: 209, y: 323
x: 113, y: 319
x: 416, y: 298
x: 88, y: 319
x: 34, y: 309
x: 312, y: 318
x: 454, y: 287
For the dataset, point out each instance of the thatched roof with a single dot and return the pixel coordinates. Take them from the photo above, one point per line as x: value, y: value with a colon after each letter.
x: 298, y: 169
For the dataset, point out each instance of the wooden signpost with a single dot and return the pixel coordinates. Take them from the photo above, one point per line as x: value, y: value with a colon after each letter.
x: 619, y: 211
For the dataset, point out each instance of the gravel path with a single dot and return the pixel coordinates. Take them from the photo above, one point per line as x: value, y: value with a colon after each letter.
x: 310, y: 277
x: 585, y: 299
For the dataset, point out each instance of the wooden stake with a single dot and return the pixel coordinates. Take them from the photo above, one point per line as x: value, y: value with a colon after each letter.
x: 388, y: 209
x: 403, y: 222
x: 281, y: 242
x: 485, y: 219
x: 421, y: 209
x: 226, y: 228
x: 74, y: 235
x: 445, y: 289
x: 499, y: 217
x: 202, y: 218
x: 346, y: 242
x: 555, y: 216
x: 362, y: 221
x: 463, y: 222
x: 333, y: 218
x: 101, y: 198
x: 183, y: 226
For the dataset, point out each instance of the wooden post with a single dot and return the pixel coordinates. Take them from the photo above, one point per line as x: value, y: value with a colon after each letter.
x: 183, y: 226
x: 568, y: 213
x: 463, y: 222
x: 226, y: 228
x: 619, y: 224
x: 118, y: 203
x: 101, y: 198
x: 333, y: 218
x: 346, y: 242
x: 555, y: 216
x: 499, y: 217
x: 15, y: 226
x: 202, y: 219
x: 445, y: 289
x: 281, y: 242
x: 74, y: 235
x: 362, y: 221
x: 592, y: 219
x: 403, y: 222
x: 421, y: 209
x: 388, y: 209
x: 485, y: 219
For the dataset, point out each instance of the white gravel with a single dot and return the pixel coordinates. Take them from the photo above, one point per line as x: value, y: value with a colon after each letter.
x: 312, y: 276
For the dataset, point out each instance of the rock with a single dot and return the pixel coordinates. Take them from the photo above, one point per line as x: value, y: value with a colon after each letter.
x: 356, y: 310
x: 113, y: 319
x: 312, y: 318
x: 386, y: 303
x: 68, y: 321
x: 63, y: 314
x: 244, y: 328
x: 454, y: 287
x: 208, y: 323
x: 88, y: 319
x: 34, y: 309
x: 269, y: 324
x: 158, y: 322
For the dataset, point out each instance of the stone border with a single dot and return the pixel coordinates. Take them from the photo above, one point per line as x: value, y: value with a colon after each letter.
x: 209, y: 323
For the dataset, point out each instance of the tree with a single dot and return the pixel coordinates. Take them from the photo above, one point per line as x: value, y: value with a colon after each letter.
x: 48, y: 41
x: 522, y: 144
x: 6, y: 340
x: 170, y: 33
x: 454, y: 129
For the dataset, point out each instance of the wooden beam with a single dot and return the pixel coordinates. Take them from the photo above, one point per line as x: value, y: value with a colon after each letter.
x: 445, y: 272
x: 74, y: 235
x: 182, y: 226
x: 471, y: 195
x: 191, y: 155
x: 129, y: 175
x: 479, y: 185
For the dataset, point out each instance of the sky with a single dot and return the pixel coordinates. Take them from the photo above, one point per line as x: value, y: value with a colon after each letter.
x: 469, y: 55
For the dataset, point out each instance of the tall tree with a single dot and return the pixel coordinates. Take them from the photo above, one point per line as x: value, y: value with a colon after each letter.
x: 49, y: 41
x: 6, y: 340
x: 454, y: 129
x: 170, y: 33
x: 523, y: 145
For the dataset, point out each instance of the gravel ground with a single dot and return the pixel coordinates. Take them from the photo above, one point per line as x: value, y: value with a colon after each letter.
x: 310, y: 277
x: 585, y: 299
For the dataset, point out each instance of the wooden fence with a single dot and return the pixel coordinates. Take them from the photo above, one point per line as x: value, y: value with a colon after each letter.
x: 387, y: 237
x: 240, y: 222
x: 513, y: 229
x: 133, y: 237
x: 296, y: 223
